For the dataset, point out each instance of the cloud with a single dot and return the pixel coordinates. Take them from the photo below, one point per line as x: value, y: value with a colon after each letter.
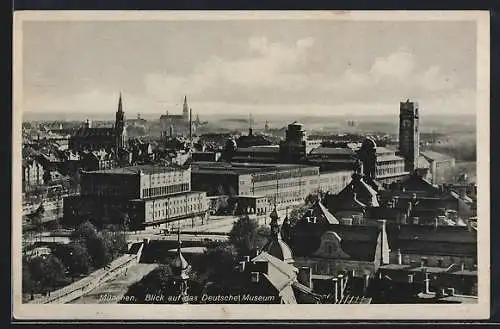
x: 274, y: 76
x: 268, y: 65
x: 275, y: 72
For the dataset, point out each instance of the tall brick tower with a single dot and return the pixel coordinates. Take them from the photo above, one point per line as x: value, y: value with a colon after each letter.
x: 409, y: 134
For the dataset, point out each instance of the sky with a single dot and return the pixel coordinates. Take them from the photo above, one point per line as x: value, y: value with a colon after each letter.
x: 314, y: 67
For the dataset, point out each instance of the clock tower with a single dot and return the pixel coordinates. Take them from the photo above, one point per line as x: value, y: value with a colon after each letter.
x: 409, y: 134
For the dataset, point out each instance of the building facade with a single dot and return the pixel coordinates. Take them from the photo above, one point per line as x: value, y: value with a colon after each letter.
x: 147, y: 194
x: 281, y: 183
x: 440, y: 166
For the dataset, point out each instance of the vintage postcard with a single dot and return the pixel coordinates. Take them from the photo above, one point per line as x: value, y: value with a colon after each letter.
x: 251, y: 165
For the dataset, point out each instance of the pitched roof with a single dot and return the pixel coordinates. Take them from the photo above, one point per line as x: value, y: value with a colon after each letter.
x: 280, y: 274
x: 364, y: 191
x: 322, y: 215
x: 417, y: 183
x: 280, y: 250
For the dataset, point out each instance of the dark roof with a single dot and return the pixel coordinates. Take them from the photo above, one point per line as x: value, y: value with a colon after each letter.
x: 258, y: 149
x: 242, y: 168
x: 134, y: 170
x: 417, y: 183
x: 95, y: 132
x: 428, y: 240
x: 318, y: 210
x: 333, y: 151
x: 450, y: 234
x: 391, y: 214
x: 359, y: 188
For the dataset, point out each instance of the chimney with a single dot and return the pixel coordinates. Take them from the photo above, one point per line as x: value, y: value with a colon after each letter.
x: 366, y: 281
x: 399, y: 257
x: 426, y: 283
x: 340, y: 286
x: 305, y: 276
x: 191, y: 125
x: 335, y: 293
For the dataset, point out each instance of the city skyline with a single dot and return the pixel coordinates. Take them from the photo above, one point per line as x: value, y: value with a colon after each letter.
x: 318, y: 67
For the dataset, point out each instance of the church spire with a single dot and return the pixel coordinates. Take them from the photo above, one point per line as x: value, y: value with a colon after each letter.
x: 185, y: 109
x: 120, y: 103
x: 120, y: 125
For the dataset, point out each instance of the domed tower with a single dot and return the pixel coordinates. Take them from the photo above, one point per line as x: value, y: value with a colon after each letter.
x: 276, y: 246
x: 368, y: 156
x: 180, y: 268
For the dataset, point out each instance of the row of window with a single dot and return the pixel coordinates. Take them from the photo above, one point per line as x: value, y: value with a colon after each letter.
x: 284, y: 175
x: 165, y: 190
x: 389, y: 171
x: 175, y: 211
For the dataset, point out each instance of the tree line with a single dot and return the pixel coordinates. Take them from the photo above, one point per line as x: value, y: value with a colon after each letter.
x: 88, y: 250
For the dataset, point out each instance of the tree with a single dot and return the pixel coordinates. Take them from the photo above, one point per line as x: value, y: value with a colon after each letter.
x: 115, y: 239
x: 46, y: 271
x: 297, y: 213
x: 263, y: 236
x: 216, y: 264
x: 156, y: 282
x: 84, y: 232
x: 28, y: 284
x: 78, y: 259
x: 246, y: 235
x: 99, y: 251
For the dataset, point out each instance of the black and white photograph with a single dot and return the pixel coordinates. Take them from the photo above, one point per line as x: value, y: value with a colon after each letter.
x: 212, y: 165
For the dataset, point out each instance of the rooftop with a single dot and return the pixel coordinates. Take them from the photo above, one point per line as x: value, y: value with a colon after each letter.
x: 432, y: 155
x: 243, y: 168
x: 428, y: 269
x: 333, y: 151
x: 134, y: 170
